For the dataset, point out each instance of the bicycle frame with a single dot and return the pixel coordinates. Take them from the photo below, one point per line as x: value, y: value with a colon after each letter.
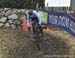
x: 37, y: 33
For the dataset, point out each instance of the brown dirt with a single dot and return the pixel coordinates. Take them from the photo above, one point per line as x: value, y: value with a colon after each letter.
x: 15, y: 43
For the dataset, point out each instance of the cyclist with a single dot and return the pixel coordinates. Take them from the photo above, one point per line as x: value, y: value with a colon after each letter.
x: 31, y: 16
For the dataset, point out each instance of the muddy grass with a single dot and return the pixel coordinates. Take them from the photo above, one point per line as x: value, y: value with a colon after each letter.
x: 15, y: 43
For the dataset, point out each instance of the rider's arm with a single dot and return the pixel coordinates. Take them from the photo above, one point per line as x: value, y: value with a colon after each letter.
x: 28, y: 21
x: 38, y: 16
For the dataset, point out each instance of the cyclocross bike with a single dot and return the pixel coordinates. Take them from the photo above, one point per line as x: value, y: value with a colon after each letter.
x: 38, y: 35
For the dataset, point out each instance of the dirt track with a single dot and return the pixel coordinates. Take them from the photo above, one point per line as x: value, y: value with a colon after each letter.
x: 15, y: 43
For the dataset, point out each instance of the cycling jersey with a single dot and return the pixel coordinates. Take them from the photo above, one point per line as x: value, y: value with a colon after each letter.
x: 34, y: 15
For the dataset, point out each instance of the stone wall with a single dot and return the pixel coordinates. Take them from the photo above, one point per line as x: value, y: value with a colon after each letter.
x: 12, y: 17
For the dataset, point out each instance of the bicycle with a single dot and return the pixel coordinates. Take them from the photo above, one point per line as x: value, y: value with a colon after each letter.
x: 38, y: 35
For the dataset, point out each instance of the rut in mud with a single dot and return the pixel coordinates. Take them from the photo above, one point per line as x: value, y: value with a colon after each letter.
x: 16, y: 43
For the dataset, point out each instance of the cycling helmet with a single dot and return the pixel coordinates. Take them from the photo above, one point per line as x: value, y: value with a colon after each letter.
x: 30, y: 12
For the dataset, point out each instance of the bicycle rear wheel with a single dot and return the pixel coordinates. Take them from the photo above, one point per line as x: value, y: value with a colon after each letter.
x: 37, y: 34
x: 39, y: 43
x: 39, y: 37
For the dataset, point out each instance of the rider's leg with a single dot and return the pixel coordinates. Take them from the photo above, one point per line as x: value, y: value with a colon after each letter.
x: 40, y: 27
x: 34, y: 30
x: 28, y: 28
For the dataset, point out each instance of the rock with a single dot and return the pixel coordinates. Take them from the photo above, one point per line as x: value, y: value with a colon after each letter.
x: 13, y: 16
x: 1, y: 24
x: 3, y: 19
x: 2, y: 13
x: 22, y: 17
x: 10, y: 21
x: 13, y: 26
x: 26, y: 12
x: 5, y: 9
x: 7, y: 25
x: 14, y: 11
x: 18, y: 11
x: 23, y: 10
x: 8, y: 13
x: 0, y: 10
